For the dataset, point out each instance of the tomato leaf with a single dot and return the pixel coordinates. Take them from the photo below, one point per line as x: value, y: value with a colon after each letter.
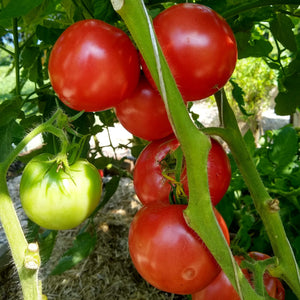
x: 107, y: 117
x: 109, y: 190
x: 48, y: 35
x: 16, y: 8
x: 282, y: 29
x: 83, y: 245
x: 46, y: 243
x: 256, y: 48
x: 103, y: 10
x: 10, y: 133
x: 287, y: 101
x: 29, y: 56
x: 238, y: 96
x: 284, y: 148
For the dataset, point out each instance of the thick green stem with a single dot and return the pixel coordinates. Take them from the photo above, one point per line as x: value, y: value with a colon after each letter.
x: 195, y: 145
x: 19, y: 247
x: 17, y: 242
x: 287, y: 269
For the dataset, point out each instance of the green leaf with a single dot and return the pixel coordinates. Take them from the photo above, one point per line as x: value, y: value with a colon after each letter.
x: 109, y: 190
x: 83, y: 245
x: 285, y: 147
x: 9, y: 110
x: 12, y: 132
x: 107, y: 117
x: 38, y: 14
x: 47, y: 242
x: 288, y: 101
x: 238, y: 96
x: 17, y: 8
x: 246, y: 222
x: 226, y: 208
x: 48, y: 35
x: 282, y: 29
x: 256, y: 48
x: 103, y: 10
x: 29, y: 56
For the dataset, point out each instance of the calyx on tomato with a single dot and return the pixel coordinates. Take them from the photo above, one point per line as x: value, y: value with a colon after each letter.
x: 151, y: 184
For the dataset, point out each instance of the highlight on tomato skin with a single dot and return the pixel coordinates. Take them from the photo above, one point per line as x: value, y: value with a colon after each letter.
x: 221, y: 288
x: 167, y: 253
x: 199, y: 47
x: 143, y: 113
x: 93, y: 66
x: 151, y: 185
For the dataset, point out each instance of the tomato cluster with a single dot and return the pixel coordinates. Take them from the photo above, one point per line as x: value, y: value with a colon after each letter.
x: 94, y: 66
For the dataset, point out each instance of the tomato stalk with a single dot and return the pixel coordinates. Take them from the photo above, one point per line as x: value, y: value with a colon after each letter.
x: 268, y: 208
x: 195, y: 144
x: 26, y: 260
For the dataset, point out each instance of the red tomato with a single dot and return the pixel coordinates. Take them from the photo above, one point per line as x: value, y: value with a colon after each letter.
x: 93, y: 66
x: 168, y: 253
x: 222, y: 289
x: 144, y: 114
x: 151, y: 186
x: 199, y: 47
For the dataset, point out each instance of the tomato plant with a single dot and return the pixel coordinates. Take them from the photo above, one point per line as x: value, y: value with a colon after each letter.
x: 267, y: 30
x: 221, y: 288
x: 93, y: 66
x: 152, y: 186
x: 169, y: 254
x: 143, y: 113
x: 58, y: 197
x: 199, y: 46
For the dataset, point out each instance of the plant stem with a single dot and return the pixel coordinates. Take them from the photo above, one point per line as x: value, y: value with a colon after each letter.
x: 17, y: 242
x: 29, y: 278
x: 287, y: 268
x: 195, y: 145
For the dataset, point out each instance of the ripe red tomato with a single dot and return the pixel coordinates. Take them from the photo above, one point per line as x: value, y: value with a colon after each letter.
x: 168, y: 253
x: 93, y: 66
x: 222, y: 289
x: 150, y: 184
x: 199, y: 46
x: 143, y: 113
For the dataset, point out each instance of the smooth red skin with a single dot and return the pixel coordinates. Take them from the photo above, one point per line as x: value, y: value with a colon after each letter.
x: 144, y: 114
x: 93, y: 66
x: 199, y: 46
x: 151, y: 186
x: 222, y: 289
x: 169, y: 254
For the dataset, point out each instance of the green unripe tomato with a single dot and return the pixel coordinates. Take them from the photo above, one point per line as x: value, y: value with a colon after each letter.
x: 56, y: 197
